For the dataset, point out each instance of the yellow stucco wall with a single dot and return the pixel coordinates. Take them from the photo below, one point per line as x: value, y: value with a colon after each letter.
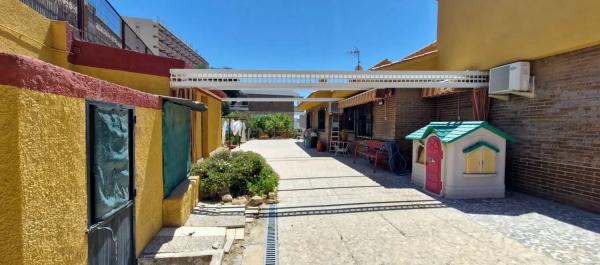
x: 211, y: 124
x: 178, y: 206
x: 51, y: 171
x: 425, y: 63
x: 197, y: 137
x: 10, y: 182
x: 56, y: 233
x: 481, y: 34
x: 148, y: 175
x: 24, y: 31
x: 44, y: 185
x: 158, y: 85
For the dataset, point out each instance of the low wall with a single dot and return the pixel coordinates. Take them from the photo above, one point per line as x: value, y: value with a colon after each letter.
x: 178, y: 206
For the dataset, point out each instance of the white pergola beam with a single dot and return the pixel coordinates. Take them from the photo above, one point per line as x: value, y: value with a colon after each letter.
x: 220, y: 79
x: 294, y: 99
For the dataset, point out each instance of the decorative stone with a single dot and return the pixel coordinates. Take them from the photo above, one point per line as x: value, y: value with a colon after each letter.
x: 271, y: 201
x: 271, y: 195
x: 227, y: 198
x: 216, y: 245
x: 255, y: 201
x: 239, y: 201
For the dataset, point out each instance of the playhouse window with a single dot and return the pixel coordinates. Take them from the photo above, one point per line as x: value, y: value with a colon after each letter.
x: 421, y: 154
x: 480, y: 160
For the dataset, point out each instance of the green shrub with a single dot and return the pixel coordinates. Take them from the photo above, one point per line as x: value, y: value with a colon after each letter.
x: 274, y: 124
x: 265, y: 183
x: 224, y: 154
x: 240, y: 173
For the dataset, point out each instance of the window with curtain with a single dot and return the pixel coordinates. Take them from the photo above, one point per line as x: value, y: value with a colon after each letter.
x: 321, y: 120
x: 364, y: 120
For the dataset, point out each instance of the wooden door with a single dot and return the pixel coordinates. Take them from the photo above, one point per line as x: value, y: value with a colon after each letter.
x: 433, y: 165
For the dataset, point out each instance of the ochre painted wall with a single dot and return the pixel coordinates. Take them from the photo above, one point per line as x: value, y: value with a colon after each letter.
x: 211, y: 124
x: 178, y: 206
x: 425, y: 63
x: 148, y: 175
x: 44, y: 186
x: 52, y: 162
x: 10, y: 182
x: 477, y: 35
x: 23, y: 31
x: 196, y: 137
x: 153, y: 84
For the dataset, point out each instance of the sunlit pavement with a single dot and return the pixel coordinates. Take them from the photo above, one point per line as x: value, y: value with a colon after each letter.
x: 331, y: 212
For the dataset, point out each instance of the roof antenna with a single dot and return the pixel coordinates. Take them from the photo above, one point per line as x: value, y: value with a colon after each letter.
x: 356, y: 52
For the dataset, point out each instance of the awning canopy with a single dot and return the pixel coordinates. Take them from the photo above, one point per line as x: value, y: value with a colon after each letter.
x: 194, y: 105
x: 324, y: 94
x: 438, y: 92
x: 224, y: 79
x: 365, y: 97
x: 279, y: 99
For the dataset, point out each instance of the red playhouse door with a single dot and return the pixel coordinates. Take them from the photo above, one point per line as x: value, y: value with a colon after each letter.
x: 433, y: 165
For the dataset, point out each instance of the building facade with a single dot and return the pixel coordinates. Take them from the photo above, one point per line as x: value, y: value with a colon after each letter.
x: 162, y: 42
x: 74, y: 77
x: 555, y: 155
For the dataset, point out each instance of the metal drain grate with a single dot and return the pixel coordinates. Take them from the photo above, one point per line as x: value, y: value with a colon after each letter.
x: 271, y: 241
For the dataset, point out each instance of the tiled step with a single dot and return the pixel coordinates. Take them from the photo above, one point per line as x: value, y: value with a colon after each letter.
x: 185, y: 245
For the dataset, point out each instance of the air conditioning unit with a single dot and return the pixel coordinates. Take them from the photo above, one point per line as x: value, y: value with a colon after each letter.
x: 334, y: 108
x: 509, y: 78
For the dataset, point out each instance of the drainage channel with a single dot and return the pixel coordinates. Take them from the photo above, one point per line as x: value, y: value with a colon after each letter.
x: 271, y: 240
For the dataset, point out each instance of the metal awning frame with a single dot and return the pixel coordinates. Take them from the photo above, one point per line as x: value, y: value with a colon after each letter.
x: 225, y: 79
x: 279, y: 99
x: 193, y: 105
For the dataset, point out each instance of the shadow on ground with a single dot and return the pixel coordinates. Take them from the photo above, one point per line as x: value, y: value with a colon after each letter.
x: 514, y: 204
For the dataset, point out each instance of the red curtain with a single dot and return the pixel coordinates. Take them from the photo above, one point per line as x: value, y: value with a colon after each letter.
x: 481, y: 104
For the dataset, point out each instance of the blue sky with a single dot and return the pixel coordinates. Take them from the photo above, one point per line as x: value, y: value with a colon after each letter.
x: 294, y: 34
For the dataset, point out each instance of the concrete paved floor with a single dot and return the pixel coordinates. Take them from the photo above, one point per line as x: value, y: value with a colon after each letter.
x: 336, y: 212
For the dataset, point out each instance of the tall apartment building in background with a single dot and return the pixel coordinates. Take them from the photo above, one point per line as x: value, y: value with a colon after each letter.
x: 164, y: 43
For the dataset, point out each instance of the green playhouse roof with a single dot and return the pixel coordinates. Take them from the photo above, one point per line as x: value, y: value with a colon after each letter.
x: 449, y: 132
x: 481, y: 144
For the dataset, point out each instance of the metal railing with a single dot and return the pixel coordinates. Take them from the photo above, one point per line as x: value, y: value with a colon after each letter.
x: 96, y: 20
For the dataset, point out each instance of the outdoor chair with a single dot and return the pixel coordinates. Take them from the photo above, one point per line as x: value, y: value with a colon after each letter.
x: 341, y: 148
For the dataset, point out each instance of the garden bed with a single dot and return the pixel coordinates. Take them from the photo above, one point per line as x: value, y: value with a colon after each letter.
x: 241, y: 175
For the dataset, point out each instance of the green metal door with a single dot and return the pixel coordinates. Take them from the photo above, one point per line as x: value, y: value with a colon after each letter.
x: 111, y: 190
x: 176, y: 145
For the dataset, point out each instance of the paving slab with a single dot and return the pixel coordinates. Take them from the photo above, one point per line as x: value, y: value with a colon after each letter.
x: 239, y: 233
x: 229, y: 221
x: 333, y: 211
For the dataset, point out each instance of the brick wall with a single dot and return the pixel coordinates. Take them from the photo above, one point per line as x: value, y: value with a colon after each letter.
x: 384, y: 116
x: 455, y: 107
x: 558, y: 151
x: 412, y: 113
